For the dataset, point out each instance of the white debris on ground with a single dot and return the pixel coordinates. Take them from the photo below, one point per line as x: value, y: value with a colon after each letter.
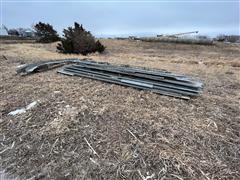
x: 21, y: 65
x: 31, y: 105
x: 17, y: 111
x: 24, y: 109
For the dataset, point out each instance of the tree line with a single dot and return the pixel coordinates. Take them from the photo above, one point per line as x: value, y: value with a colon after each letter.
x: 75, y: 39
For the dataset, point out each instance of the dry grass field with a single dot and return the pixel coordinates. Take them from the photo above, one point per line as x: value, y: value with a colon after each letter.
x: 136, y: 134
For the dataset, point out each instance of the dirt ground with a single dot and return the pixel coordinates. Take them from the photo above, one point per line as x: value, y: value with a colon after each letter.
x: 87, y: 129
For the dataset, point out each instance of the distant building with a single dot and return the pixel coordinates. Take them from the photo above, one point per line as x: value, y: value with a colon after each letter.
x: 3, y: 31
x: 26, y: 32
x: 13, y: 32
x: 132, y: 37
x: 228, y: 38
x: 20, y: 32
x: 202, y: 37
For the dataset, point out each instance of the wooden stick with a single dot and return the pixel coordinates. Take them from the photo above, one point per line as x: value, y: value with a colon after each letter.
x: 54, y: 145
x: 134, y: 136
x: 94, y: 152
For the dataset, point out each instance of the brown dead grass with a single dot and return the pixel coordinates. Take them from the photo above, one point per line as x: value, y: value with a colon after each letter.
x: 135, y: 133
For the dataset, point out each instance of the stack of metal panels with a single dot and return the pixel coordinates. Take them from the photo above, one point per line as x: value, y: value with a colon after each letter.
x: 158, y: 81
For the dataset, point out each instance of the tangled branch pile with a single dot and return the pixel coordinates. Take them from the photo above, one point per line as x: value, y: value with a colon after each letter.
x: 78, y: 40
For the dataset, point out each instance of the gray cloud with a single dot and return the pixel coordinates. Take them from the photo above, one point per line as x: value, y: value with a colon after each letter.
x: 128, y: 18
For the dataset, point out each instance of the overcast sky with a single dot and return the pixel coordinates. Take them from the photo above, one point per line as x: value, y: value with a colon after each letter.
x: 126, y: 18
